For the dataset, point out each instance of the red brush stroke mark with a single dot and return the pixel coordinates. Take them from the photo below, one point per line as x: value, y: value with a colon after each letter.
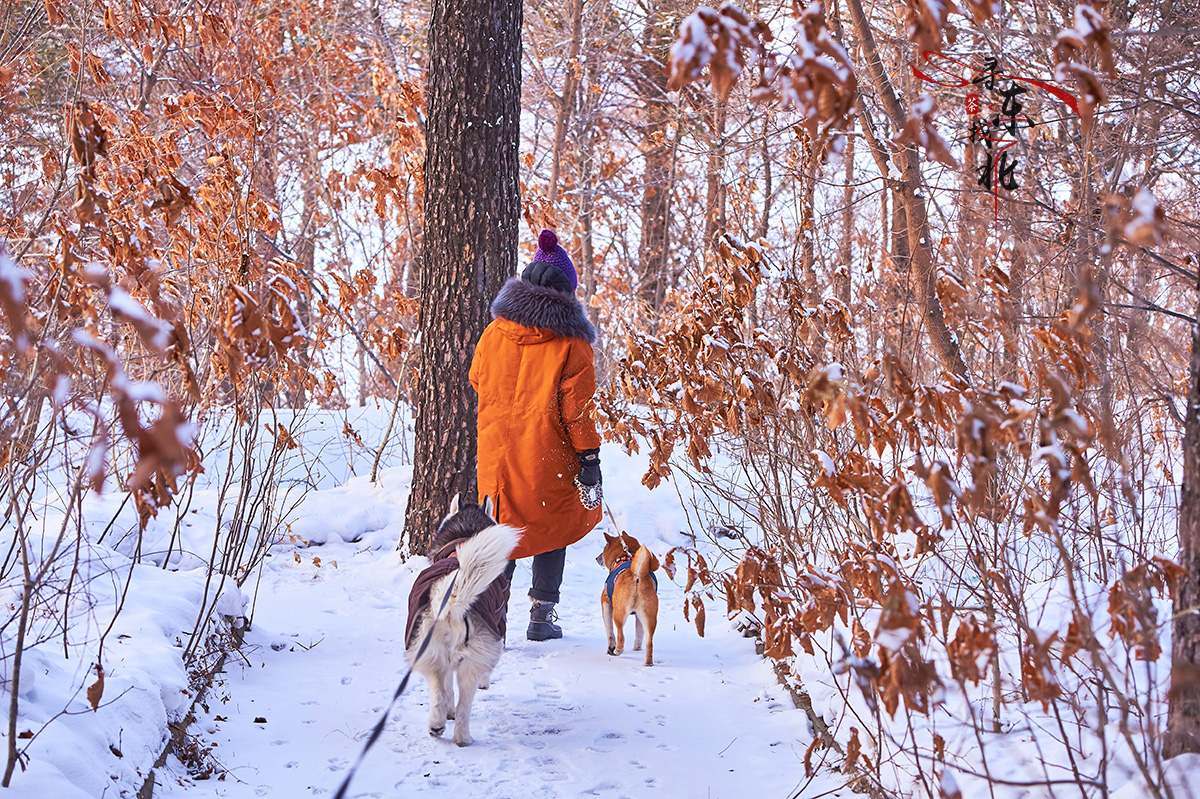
x: 928, y: 55
x: 973, y: 106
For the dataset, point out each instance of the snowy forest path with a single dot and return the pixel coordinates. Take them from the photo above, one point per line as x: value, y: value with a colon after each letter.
x: 561, y: 719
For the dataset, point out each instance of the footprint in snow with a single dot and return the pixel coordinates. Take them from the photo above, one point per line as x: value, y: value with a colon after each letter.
x: 546, y: 761
x: 607, y: 785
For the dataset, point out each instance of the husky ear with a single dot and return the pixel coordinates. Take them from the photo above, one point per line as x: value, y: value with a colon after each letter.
x: 488, y: 507
x: 454, y: 505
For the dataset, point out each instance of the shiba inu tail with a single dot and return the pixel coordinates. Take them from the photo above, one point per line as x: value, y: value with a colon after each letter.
x: 644, y: 562
x: 481, y: 559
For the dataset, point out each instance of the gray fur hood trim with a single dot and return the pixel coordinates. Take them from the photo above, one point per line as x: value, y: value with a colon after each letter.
x: 538, y: 306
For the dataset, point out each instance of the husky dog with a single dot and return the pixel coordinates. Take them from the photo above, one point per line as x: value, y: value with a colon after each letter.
x: 631, y: 587
x: 468, y: 633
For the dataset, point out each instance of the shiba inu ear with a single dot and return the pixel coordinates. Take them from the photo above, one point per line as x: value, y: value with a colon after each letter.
x: 630, y: 542
x: 608, y: 539
x: 488, y: 507
x: 454, y: 505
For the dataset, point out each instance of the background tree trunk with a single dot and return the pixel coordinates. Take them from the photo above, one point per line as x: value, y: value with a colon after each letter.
x: 909, y: 197
x: 842, y: 279
x: 657, y: 151
x: 472, y: 211
x: 714, y: 213
x: 1183, y: 713
x: 566, y: 102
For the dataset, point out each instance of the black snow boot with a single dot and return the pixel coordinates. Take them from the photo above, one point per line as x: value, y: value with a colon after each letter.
x: 541, y: 622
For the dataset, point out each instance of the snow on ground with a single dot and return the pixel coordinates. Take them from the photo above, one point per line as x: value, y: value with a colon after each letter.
x: 325, y: 653
x: 562, y: 718
x: 105, y: 752
x: 70, y: 750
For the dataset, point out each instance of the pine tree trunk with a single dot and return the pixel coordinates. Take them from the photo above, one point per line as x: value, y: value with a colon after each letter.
x: 1183, y: 713
x: 472, y: 210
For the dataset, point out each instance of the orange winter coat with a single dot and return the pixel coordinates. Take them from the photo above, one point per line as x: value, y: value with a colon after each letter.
x: 535, y: 378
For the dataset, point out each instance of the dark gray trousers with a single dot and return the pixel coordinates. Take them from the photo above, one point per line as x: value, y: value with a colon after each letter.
x: 547, y: 574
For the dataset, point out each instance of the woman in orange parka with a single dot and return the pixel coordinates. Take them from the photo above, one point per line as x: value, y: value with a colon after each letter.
x: 538, y: 446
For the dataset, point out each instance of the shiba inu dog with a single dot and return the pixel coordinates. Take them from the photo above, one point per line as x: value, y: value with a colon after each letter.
x: 468, y: 558
x: 631, y: 587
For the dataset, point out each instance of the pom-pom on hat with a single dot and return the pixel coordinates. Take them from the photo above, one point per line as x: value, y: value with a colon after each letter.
x: 549, y: 251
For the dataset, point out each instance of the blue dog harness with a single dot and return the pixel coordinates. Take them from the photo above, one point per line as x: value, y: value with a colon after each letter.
x: 616, y: 571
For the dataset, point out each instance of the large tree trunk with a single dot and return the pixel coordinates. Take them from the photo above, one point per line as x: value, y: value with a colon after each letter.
x: 1183, y: 714
x: 472, y: 210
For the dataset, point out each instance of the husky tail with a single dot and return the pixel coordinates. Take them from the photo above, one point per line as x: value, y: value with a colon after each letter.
x: 481, y: 559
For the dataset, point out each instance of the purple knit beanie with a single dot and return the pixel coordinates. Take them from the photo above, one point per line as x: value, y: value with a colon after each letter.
x: 550, y: 252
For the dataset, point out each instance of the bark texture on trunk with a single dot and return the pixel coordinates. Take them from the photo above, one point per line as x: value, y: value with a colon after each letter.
x: 1183, y: 714
x: 472, y: 212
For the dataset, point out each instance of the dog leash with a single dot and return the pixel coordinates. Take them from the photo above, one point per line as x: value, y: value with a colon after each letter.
x: 375, y: 733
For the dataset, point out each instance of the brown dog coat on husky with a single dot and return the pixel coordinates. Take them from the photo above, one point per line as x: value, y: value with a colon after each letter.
x: 631, y: 588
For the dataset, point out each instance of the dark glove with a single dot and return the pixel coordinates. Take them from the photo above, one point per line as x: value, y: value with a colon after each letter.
x: 540, y: 273
x: 588, y: 479
x: 589, y: 467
